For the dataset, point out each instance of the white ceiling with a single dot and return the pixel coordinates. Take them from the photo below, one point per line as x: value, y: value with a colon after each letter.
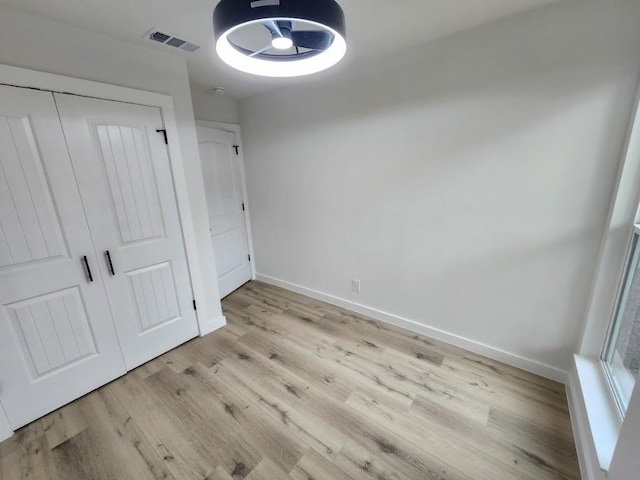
x: 374, y: 28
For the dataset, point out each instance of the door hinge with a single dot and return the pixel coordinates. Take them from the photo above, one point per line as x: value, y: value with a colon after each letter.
x: 243, y: 206
x: 164, y: 133
x: 249, y: 257
x: 194, y: 305
x: 236, y: 147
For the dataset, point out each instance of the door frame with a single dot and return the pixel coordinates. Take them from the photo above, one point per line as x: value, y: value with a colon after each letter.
x: 235, y: 128
x: 26, y: 78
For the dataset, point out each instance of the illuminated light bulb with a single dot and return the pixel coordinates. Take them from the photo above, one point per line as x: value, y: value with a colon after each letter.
x: 282, y: 43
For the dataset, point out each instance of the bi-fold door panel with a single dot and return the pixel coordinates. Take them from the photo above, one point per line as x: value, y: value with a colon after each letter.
x: 57, y: 338
x: 124, y: 175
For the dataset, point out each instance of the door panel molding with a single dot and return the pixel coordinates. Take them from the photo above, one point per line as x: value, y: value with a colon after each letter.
x: 40, y: 324
x: 34, y: 232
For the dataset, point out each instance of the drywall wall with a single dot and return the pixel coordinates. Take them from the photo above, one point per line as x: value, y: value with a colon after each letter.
x: 33, y: 42
x: 465, y: 183
x: 208, y: 105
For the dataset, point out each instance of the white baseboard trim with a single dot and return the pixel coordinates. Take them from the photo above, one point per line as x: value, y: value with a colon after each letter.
x: 212, y: 325
x: 5, y: 429
x: 517, y: 361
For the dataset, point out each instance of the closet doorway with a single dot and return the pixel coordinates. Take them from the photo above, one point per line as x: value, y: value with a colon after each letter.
x: 94, y: 279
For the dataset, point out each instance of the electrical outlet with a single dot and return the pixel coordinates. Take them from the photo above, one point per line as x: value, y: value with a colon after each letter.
x: 355, y: 285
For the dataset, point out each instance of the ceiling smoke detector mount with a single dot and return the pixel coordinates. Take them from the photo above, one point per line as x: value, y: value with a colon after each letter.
x: 280, y: 38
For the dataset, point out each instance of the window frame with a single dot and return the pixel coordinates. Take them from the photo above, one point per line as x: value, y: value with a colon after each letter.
x: 596, y: 415
x: 633, y: 250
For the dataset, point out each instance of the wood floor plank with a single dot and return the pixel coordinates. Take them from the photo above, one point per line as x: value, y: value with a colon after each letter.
x: 360, y: 463
x: 21, y: 437
x: 207, y: 351
x: 172, y: 438
x: 150, y: 368
x: 299, y: 362
x: 219, y: 474
x: 63, y: 424
x: 493, y: 442
x: 395, y: 449
x: 289, y: 409
x: 210, y: 422
x: 296, y: 389
x: 320, y: 367
x: 315, y: 466
x: 122, y: 435
x: 546, y: 448
x: 508, y: 384
x: 267, y: 470
x: 490, y: 390
x: 450, y: 449
x: 31, y: 461
x: 239, y: 418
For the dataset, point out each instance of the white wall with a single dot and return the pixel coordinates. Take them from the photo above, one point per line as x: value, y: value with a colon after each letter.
x: 216, y: 108
x: 32, y: 42
x: 465, y: 183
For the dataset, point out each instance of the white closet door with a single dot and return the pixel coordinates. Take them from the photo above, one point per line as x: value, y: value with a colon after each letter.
x: 223, y: 186
x: 57, y: 338
x: 123, y: 171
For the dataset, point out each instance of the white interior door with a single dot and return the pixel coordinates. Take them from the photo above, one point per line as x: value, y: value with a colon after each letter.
x: 57, y: 338
x: 124, y: 174
x: 223, y: 187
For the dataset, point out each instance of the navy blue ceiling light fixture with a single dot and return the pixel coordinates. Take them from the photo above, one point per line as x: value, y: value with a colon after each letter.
x: 280, y: 38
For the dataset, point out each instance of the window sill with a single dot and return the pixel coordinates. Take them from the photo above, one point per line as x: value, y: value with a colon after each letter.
x: 603, y: 415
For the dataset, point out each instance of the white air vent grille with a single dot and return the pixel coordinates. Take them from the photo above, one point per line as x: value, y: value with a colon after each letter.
x: 171, y: 40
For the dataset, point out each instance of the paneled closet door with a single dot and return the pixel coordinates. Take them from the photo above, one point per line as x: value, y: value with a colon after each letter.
x: 57, y: 337
x: 123, y: 171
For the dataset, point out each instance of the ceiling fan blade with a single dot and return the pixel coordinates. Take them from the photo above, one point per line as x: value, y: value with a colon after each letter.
x: 268, y: 47
x: 273, y: 27
x: 312, y: 39
x: 285, y: 25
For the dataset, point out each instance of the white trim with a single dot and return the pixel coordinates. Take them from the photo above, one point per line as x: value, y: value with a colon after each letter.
x: 582, y: 434
x: 213, y: 325
x: 5, y: 429
x: 595, y: 417
x: 512, y: 359
x: 235, y: 128
x: 22, y: 77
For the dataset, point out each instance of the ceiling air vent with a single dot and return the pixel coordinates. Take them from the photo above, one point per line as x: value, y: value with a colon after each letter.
x: 171, y: 40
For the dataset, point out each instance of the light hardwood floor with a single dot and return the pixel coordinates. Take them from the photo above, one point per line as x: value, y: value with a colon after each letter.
x: 296, y: 389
